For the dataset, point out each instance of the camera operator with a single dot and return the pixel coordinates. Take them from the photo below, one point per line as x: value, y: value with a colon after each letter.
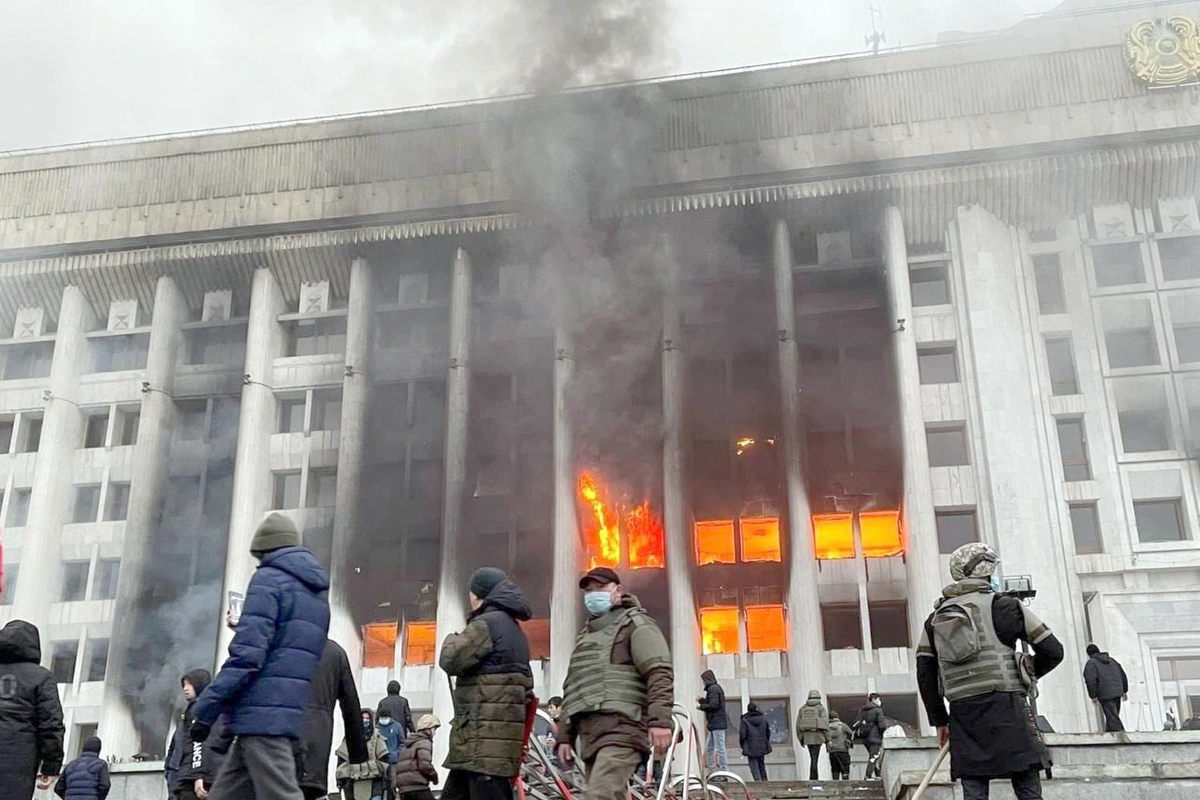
x: 969, y: 657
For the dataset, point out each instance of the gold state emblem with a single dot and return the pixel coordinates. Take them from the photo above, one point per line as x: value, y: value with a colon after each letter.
x: 1165, y: 52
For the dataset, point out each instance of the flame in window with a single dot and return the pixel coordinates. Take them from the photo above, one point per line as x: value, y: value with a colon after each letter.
x: 833, y: 536
x: 880, y: 533
x: 420, y: 642
x: 604, y: 534
x: 719, y: 629
x: 760, y: 539
x: 714, y: 542
x: 766, y: 629
x: 603, y: 520
x: 379, y: 644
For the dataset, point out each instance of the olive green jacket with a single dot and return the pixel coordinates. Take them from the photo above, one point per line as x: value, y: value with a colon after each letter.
x: 493, y: 687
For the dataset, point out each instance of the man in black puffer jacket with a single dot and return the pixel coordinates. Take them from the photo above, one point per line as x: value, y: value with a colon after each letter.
x: 332, y: 684
x: 395, y: 705
x: 31, y: 717
x: 85, y: 778
x: 868, y: 729
x: 1107, y: 684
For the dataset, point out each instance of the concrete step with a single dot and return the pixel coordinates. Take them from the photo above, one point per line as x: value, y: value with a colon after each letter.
x: 1128, y: 766
x: 800, y: 790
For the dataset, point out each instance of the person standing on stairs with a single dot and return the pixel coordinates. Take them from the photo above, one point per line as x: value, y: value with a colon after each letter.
x: 812, y: 729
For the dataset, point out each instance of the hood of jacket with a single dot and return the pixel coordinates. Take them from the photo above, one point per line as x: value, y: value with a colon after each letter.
x: 1103, y: 658
x: 300, y: 563
x: 755, y: 714
x: 20, y: 643
x: 709, y: 677
x: 199, y: 679
x: 506, y: 597
x: 393, y: 688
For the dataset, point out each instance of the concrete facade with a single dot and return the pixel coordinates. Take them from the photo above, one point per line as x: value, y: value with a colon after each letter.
x: 960, y: 285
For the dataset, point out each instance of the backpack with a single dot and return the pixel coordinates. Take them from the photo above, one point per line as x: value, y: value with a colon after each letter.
x: 956, y: 637
x: 810, y: 717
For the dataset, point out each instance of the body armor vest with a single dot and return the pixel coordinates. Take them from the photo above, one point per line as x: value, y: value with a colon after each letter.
x: 994, y: 666
x: 594, y: 683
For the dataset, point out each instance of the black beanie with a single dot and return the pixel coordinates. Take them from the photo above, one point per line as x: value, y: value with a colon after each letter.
x: 485, y: 580
x: 1092, y: 650
x: 92, y: 745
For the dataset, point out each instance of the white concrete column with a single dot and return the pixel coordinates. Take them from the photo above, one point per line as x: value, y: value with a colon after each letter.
x: 916, y: 508
x: 564, y: 593
x: 452, y: 582
x: 685, y: 626
x: 252, y: 470
x: 150, y: 456
x: 360, y: 320
x: 1018, y: 476
x: 62, y: 429
x: 806, y: 644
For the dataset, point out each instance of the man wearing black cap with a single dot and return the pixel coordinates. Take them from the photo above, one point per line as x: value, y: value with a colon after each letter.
x: 619, y: 690
x: 493, y: 692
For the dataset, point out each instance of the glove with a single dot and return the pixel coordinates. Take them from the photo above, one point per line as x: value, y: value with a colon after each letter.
x: 200, y: 731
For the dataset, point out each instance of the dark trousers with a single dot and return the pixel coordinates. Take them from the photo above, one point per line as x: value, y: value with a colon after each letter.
x: 814, y: 761
x: 1026, y: 786
x: 310, y: 793
x: 758, y: 767
x: 464, y: 785
x: 1112, y: 715
x: 419, y: 794
x: 875, y: 758
x: 839, y: 764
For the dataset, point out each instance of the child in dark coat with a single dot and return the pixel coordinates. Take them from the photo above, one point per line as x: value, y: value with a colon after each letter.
x: 85, y: 778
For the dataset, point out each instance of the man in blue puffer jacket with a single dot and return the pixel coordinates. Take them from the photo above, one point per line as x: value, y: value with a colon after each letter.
x: 85, y: 778
x: 263, y: 686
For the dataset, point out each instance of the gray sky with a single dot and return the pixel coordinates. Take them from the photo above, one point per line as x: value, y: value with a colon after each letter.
x: 79, y: 71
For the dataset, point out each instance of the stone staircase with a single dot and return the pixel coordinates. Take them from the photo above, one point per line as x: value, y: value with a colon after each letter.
x: 1108, y: 766
x: 802, y: 790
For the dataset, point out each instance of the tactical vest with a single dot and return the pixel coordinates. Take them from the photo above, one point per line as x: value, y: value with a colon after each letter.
x: 594, y: 683
x: 994, y: 667
x: 810, y: 717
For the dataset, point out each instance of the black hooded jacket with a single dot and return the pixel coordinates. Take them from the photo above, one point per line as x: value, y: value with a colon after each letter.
x: 1105, y: 677
x: 332, y: 684
x: 397, y: 708
x: 179, y: 751
x: 196, y: 759
x: 755, y: 734
x: 713, y: 703
x: 31, y: 716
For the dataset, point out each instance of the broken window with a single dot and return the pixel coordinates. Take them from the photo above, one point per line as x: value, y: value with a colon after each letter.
x: 95, y: 660
x: 766, y: 629
x: 889, y: 624
x: 880, y: 531
x: 647, y: 548
x: 715, y: 542
x: 420, y: 643
x: 760, y: 539
x: 719, y: 628
x: 842, y: 625
x: 833, y: 536
x: 379, y: 644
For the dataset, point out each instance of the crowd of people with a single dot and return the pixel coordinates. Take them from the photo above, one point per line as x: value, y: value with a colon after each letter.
x: 263, y: 726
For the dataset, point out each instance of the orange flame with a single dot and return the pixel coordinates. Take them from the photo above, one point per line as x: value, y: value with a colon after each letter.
x: 602, y: 530
x: 605, y: 538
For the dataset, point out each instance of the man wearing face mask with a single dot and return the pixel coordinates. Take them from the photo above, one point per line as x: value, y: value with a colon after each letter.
x: 968, y: 657
x: 619, y: 690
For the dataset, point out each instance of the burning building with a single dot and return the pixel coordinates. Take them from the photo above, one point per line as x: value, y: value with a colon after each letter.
x: 833, y: 320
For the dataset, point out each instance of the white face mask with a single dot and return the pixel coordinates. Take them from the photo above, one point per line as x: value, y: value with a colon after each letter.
x: 384, y: 720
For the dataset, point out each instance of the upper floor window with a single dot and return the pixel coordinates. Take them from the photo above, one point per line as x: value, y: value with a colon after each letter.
x: 120, y: 353
x: 1118, y: 264
x: 26, y: 361
x: 937, y: 365
x: 930, y: 285
x: 1047, y: 274
x: 316, y: 337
